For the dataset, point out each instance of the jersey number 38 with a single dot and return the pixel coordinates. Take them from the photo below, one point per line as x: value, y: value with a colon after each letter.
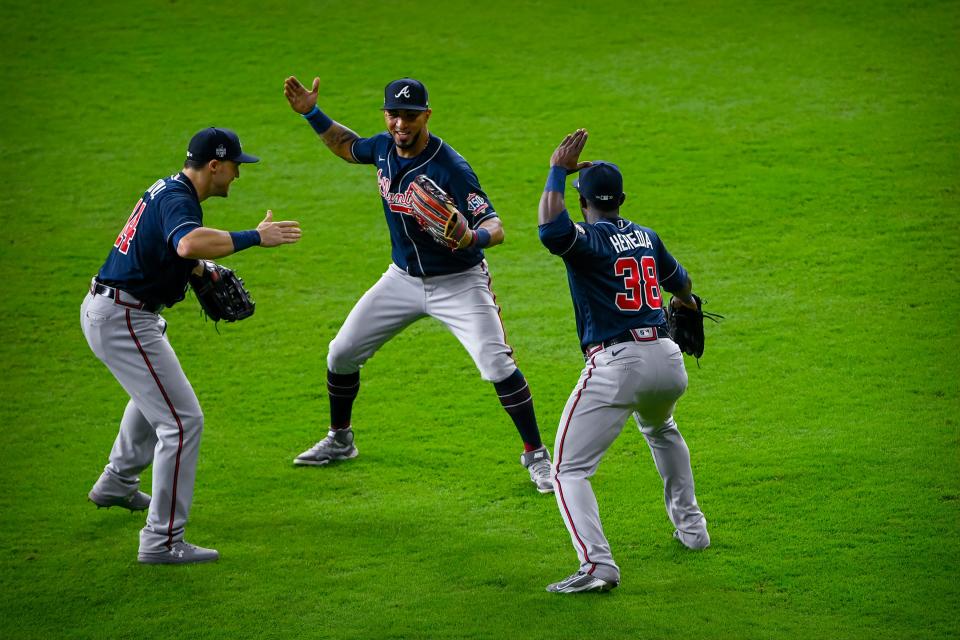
x: 640, y: 280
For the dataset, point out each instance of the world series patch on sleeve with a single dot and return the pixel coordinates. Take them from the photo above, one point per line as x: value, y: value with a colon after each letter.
x: 221, y: 293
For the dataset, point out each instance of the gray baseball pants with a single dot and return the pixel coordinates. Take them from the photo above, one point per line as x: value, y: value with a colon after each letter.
x: 463, y: 302
x: 162, y: 422
x: 644, y: 379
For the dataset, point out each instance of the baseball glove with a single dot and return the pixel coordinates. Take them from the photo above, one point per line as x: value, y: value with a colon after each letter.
x: 221, y: 293
x: 437, y: 214
x: 686, y: 326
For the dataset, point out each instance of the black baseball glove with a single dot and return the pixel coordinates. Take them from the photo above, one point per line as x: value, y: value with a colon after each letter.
x: 221, y: 293
x: 686, y: 325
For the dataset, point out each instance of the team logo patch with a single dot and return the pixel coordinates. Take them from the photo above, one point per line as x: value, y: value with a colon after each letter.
x: 476, y: 204
x: 221, y: 151
x: 405, y: 92
x: 580, y: 229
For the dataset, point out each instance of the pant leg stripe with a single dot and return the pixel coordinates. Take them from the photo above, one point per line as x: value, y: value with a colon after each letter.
x: 176, y: 417
x: 559, y: 460
x: 486, y: 272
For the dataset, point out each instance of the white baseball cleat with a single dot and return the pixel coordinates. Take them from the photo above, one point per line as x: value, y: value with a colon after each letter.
x: 338, y: 445
x: 581, y: 582
x: 537, y: 462
x: 180, y: 553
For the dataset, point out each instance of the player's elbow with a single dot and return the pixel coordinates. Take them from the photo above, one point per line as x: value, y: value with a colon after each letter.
x: 187, y: 248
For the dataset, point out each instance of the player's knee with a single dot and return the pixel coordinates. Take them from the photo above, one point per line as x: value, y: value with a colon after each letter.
x: 497, y: 369
x: 341, y: 357
x: 192, y: 421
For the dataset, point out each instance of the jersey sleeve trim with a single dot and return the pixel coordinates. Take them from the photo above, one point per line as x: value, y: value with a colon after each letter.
x: 673, y: 272
x: 576, y: 234
x: 180, y: 226
x: 484, y: 218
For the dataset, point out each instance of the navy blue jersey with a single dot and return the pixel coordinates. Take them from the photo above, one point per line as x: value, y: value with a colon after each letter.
x: 413, y: 249
x: 144, y: 260
x: 615, y: 269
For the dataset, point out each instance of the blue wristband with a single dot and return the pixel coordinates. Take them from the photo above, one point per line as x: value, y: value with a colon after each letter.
x: 244, y: 239
x: 483, y: 238
x: 318, y: 120
x: 556, y: 179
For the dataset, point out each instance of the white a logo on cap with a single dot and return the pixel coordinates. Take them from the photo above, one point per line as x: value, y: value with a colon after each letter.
x: 405, y: 92
x: 221, y: 151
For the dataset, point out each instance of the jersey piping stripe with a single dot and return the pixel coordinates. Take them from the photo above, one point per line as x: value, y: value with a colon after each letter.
x: 170, y: 235
x: 403, y: 222
x: 483, y: 265
x: 401, y: 179
x: 672, y: 272
x: 479, y: 221
x: 176, y: 471
x: 422, y: 164
x: 576, y: 234
x: 563, y: 438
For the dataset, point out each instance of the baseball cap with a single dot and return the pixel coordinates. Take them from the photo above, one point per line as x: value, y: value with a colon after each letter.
x: 406, y: 93
x: 601, y: 182
x: 214, y: 143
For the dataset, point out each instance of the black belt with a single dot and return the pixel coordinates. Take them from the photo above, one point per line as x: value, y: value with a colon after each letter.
x: 125, y: 300
x: 640, y: 334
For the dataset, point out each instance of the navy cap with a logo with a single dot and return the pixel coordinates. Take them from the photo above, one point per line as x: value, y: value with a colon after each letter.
x: 406, y: 93
x: 214, y: 143
x: 601, y: 182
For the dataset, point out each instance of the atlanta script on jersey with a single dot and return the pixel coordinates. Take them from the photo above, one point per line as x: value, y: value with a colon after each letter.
x: 414, y: 249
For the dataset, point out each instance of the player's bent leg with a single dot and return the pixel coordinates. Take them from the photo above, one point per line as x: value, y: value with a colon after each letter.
x: 672, y: 458
x: 466, y: 305
x: 388, y: 307
x: 588, y: 426
x: 654, y: 417
x: 140, y: 357
x: 119, y: 484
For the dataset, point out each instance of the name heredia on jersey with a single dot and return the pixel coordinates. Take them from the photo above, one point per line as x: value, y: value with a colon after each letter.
x: 625, y: 241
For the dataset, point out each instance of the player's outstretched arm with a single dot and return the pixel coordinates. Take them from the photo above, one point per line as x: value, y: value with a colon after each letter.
x: 564, y: 160
x: 337, y: 137
x: 205, y: 243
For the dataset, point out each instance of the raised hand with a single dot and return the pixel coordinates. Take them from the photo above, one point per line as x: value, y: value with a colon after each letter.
x: 273, y: 233
x: 301, y: 100
x: 567, y: 155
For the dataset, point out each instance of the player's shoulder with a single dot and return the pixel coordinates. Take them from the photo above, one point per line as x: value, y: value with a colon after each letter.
x: 173, y: 192
x: 450, y: 157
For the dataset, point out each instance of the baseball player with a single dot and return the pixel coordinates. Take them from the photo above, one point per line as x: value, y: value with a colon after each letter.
x: 615, y: 270
x: 147, y: 270
x: 425, y: 278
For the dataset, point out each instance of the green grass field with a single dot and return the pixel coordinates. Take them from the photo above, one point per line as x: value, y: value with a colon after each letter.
x: 802, y: 159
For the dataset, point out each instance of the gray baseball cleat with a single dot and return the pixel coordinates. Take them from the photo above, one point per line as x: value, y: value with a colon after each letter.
x: 537, y: 462
x: 581, y: 582
x: 695, y: 541
x: 338, y: 445
x: 100, y: 495
x: 180, y: 553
